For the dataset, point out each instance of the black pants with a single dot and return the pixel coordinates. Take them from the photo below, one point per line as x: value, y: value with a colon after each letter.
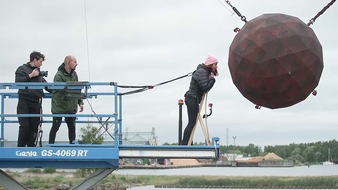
x: 56, y: 125
x: 192, y: 108
x: 28, y: 125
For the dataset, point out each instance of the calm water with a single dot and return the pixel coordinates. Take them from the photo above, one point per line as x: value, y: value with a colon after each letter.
x: 315, y: 170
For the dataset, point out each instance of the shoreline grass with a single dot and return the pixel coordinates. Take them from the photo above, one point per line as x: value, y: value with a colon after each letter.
x: 40, y: 181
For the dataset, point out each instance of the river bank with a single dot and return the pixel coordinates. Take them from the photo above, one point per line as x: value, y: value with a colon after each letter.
x: 198, y: 178
x: 56, y: 181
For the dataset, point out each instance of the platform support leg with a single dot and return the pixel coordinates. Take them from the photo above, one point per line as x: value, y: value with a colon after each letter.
x: 8, y: 182
x: 93, y: 179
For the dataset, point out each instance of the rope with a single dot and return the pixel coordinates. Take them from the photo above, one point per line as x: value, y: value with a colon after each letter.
x: 321, y: 12
x: 87, y: 43
x: 221, y: 2
x: 147, y: 87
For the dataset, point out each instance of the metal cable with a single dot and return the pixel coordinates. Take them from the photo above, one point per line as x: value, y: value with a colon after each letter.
x: 320, y: 12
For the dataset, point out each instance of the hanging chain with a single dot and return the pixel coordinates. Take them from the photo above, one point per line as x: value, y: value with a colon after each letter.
x: 243, y: 18
x: 320, y: 12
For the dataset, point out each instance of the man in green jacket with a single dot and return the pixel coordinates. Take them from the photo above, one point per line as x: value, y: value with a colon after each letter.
x: 62, y: 102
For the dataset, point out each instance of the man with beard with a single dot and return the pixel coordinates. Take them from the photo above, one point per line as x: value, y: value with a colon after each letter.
x: 62, y: 102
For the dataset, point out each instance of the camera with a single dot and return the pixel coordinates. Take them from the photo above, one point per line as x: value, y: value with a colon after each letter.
x: 43, y: 73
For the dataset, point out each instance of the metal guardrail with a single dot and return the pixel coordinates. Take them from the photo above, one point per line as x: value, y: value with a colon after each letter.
x: 105, y: 157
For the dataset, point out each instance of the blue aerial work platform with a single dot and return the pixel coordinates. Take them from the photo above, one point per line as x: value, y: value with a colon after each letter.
x: 105, y: 158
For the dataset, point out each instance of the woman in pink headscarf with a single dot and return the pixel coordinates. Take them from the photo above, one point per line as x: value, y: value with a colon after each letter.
x: 201, y: 82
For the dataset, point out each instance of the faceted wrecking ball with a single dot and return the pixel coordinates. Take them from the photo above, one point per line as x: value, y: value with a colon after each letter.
x: 275, y: 61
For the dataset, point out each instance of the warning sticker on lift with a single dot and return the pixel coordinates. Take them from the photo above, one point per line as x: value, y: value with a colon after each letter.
x: 53, y: 153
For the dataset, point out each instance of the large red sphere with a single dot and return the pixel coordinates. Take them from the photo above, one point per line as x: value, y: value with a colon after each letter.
x: 275, y: 60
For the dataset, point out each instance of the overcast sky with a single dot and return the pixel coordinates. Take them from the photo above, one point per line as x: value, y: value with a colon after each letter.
x: 146, y: 42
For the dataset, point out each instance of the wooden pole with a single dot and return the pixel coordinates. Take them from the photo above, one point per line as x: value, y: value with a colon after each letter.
x: 203, y: 126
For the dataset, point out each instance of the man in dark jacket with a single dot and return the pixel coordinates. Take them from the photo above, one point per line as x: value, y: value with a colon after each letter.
x: 201, y: 82
x: 29, y: 99
x: 63, y: 102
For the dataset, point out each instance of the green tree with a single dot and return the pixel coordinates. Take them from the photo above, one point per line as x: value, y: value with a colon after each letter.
x: 296, y: 151
x: 90, y: 135
x: 310, y: 154
x: 316, y: 152
x: 296, y: 155
x: 297, y: 159
x: 319, y: 156
x: 252, y: 150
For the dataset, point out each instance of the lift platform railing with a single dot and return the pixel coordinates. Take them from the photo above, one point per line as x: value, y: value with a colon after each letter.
x: 82, y: 89
x: 79, y: 89
x: 105, y: 158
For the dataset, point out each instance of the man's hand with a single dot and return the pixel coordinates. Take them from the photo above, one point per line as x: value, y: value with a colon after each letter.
x: 34, y: 73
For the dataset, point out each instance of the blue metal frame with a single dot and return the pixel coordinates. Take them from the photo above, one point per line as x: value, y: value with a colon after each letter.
x: 61, y: 156
x: 85, y: 156
x: 105, y: 157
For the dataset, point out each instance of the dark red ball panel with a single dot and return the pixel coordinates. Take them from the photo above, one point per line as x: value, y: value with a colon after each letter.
x: 275, y: 60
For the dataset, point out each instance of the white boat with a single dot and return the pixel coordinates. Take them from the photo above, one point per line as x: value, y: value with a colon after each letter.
x: 328, y: 163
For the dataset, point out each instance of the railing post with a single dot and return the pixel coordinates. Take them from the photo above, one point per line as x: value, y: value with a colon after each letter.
x: 120, y: 120
x: 2, y: 137
x: 116, y: 122
x: 180, y: 103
